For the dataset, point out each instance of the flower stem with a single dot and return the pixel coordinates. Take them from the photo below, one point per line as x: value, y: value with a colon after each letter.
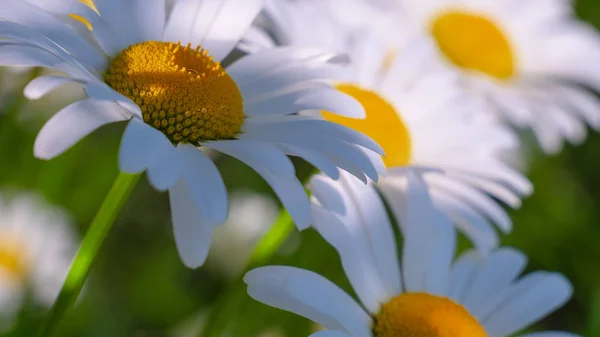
x: 101, y: 225
x: 229, y: 302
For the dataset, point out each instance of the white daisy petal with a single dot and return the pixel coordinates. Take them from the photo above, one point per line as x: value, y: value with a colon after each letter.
x: 532, y: 298
x: 193, y: 232
x: 417, y: 222
x: 251, y: 67
x: 222, y: 23
x: 356, y: 255
x: 317, y: 159
x: 100, y: 91
x: 318, y: 294
x: 276, y: 168
x: 315, y: 128
x: 41, y: 86
x: 145, y: 148
x: 27, y: 56
x: 328, y: 193
x: 378, y: 230
x: 149, y: 16
x: 73, y: 123
x: 332, y: 101
x: 205, y: 185
x: 462, y: 273
x: 22, y: 12
x: 314, y: 289
x: 266, y: 284
x: 496, y: 273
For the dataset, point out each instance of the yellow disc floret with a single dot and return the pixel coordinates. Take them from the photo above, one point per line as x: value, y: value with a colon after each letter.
x: 382, y: 123
x: 12, y: 259
x: 180, y: 90
x: 425, y: 315
x: 474, y: 42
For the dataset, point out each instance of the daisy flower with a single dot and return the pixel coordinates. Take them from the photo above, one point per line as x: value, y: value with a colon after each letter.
x: 533, y: 64
x: 428, y: 294
x: 162, y: 73
x: 427, y: 125
x: 36, y: 249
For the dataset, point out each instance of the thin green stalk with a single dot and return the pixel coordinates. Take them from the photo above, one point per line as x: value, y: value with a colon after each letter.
x: 229, y: 303
x: 101, y: 225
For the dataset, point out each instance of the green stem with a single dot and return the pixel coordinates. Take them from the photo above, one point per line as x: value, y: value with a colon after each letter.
x: 229, y: 303
x: 101, y: 225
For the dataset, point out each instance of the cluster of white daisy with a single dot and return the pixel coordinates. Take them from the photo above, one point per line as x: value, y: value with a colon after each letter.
x: 410, y: 104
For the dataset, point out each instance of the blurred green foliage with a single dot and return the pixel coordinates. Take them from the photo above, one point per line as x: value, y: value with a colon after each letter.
x: 139, y: 287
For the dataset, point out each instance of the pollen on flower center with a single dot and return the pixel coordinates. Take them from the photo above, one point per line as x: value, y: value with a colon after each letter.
x: 12, y: 259
x: 180, y: 90
x: 425, y: 315
x: 474, y: 42
x: 382, y: 123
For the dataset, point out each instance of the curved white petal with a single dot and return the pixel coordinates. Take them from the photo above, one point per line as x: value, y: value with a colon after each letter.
x: 149, y: 16
x: 276, y: 168
x: 328, y: 193
x: 265, y: 284
x: 315, y: 158
x: 193, y: 232
x: 145, y: 148
x: 326, y: 302
x: 73, y: 123
x: 461, y: 274
x: 204, y: 183
x: 60, y: 33
x: 492, y: 276
x: 100, y: 91
x: 222, y: 23
x: 531, y: 298
x: 41, y: 86
x: 357, y: 257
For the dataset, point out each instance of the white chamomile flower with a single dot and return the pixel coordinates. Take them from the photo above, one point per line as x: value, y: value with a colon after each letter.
x: 532, y: 63
x: 162, y: 73
x: 428, y: 127
x: 36, y: 250
x: 428, y: 295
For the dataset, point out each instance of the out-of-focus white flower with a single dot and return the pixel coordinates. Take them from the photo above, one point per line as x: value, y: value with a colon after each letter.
x: 532, y: 63
x: 163, y: 75
x: 250, y: 215
x: 36, y: 249
x: 437, y: 141
x: 429, y: 294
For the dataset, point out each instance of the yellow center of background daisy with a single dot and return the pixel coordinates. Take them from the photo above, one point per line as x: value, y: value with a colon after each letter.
x: 180, y: 90
x: 12, y: 259
x: 474, y: 42
x: 425, y: 315
x: 382, y: 123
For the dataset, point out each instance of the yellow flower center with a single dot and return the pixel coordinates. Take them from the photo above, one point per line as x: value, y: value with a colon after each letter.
x: 180, y: 90
x: 425, y: 315
x: 382, y: 123
x: 12, y: 259
x: 474, y: 42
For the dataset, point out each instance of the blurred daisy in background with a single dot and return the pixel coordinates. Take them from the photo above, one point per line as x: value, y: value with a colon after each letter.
x: 532, y: 63
x: 435, y: 138
x: 250, y: 216
x: 36, y: 250
x: 428, y: 294
x: 163, y: 75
